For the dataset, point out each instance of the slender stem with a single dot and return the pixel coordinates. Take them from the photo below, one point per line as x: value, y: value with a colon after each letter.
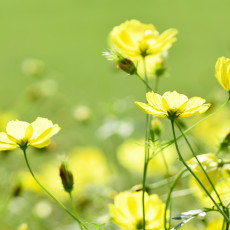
x: 197, y: 159
x: 195, y: 176
x: 227, y: 223
x: 147, y: 133
x: 193, y: 126
x: 50, y: 194
x: 145, y: 82
x: 73, y: 206
x: 169, y: 198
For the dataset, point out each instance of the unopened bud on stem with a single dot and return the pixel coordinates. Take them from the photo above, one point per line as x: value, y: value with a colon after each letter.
x: 66, y: 177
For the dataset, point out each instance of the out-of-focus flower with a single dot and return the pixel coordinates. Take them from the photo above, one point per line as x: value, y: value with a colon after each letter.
x: 134, y: 39
x: 223, y: 72
x: 113, y: 126
x: 33, y: 67
x: 131, y: 156
x: 23, y: 227
x: 127, y: 211
x: 212, y: 131
x: 43, y: 209
x: 43, y: 89
x: 21, y: 134
x: 88, y: 166
x: 172, y: 105
x: 82, y: 113
x: 215, y: 224
x: 210, y: 163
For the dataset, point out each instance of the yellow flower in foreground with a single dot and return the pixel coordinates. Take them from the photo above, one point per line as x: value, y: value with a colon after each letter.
x: 223, y: 72
x: 210, y: 164
x: 134, y: 39
x: 172, y: 105
x: 127, y: 211
x: 20, y: 134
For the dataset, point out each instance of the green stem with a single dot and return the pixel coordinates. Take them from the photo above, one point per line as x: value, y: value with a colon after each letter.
x: 190, y: 128
x: 206, y: 174
x: 169, y: 198
x: 50, y: 194
x: 195, y: 176
x: 145, y: 82
x: 147, y: 133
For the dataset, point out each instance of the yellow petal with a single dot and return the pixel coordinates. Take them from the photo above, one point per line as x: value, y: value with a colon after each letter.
x: 174, y: 99
x: 17, y: 129
x: 155, y: 100
x: 41, y: 144
x: 149, y: 110
x: 195, y: 111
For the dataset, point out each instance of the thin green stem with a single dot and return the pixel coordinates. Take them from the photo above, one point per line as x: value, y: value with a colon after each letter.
x: 49, y: 193
x: 195, y: 176
x: 169, y: 198
x: 197, y: 159
x: 73, y: 206
x: 193, y: 126
x: 147, y: 134
x: 145, y: 82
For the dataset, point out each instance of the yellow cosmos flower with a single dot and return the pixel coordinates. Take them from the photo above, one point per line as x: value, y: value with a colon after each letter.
x: 134, y: 39
x: 127, y: 211
x: 172, y: 105
x: 210, y: 164
x: 223, y: 72
x: 20, y: 134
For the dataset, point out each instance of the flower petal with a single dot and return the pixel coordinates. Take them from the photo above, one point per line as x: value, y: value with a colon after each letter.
x: 149, y: 110
x: 155, y: 100
x: 17, y: 129
x: 174, y: 99
x: 197, y: 110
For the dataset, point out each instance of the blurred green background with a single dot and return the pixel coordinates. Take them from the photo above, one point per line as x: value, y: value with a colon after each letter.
x: 70, y: 36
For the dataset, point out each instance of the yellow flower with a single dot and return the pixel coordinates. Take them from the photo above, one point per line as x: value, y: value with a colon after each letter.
x: 172, y: 105
x: 134, y: 39
x: 127, y: 211
x: 223, y: 72
x: 20, y: 134
x: 210, y: 164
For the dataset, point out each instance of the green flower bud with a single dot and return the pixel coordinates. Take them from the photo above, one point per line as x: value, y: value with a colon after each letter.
x: 225, y: 143
x: 156, y: 127
x: 123, y: 63
x: 66, y: 177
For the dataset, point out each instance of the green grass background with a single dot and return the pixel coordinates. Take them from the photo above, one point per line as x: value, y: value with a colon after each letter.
x: 69, y: 36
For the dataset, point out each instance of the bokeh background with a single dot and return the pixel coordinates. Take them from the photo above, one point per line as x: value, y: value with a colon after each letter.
x: 87, y: 96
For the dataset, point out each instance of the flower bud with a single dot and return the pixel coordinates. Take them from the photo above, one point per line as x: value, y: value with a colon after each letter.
x: 156, y: 127
x: 66, y: 177
x: 123, y: 63
x: 223, y: 72
x: 160, y: 68
x: 225, y: 143
x: 16, y: 191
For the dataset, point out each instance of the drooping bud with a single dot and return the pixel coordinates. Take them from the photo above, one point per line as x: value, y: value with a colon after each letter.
x: 156, y: 127
x: 123, y: 63
x: 225, y: 142
x: 16, y: 191
x: 66, y: 177
x: 160, y: 68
